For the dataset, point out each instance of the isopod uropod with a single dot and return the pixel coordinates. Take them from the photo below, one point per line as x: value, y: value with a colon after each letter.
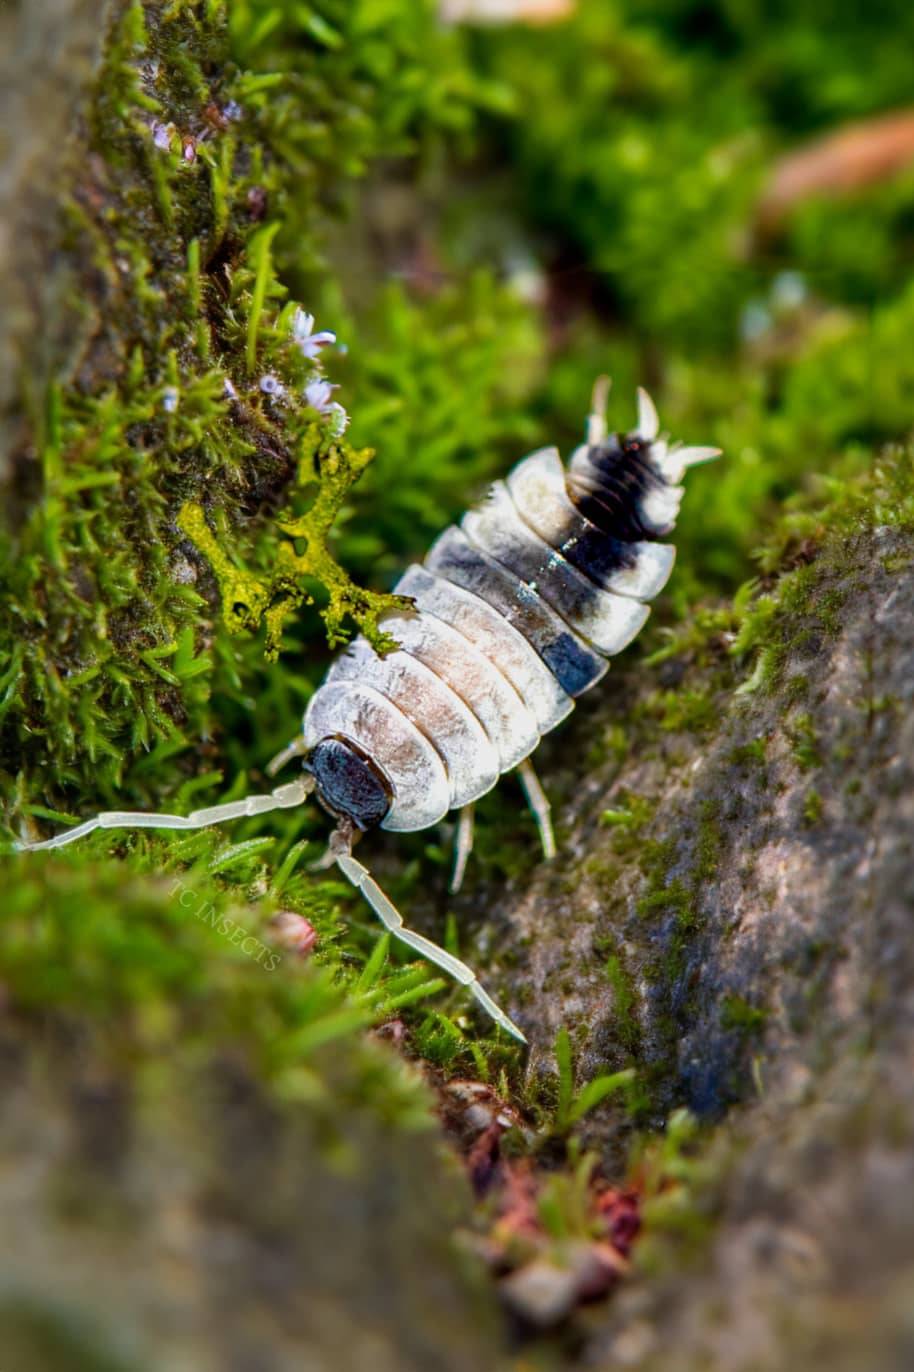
x: 516, y: 612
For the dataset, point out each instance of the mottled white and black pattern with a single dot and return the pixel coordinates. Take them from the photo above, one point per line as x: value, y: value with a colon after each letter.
x: 516, y: 613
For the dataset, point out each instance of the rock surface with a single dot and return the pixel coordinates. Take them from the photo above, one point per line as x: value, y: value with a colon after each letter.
x: 759, y: 923
x: 175, y: 1218
x: 47, y: 58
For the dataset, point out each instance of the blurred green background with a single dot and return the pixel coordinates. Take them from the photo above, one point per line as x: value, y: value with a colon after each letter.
x: 588, y: 195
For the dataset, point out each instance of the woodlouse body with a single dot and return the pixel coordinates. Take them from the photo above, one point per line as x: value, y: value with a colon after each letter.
x: 517, y: 612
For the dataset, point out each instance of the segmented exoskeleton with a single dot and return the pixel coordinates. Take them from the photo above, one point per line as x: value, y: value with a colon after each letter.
x: 516, y: 612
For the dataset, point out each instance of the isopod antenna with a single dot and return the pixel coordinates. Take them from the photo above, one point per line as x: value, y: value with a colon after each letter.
x: 282, y: 798
x: 390, y: 917
x: 599, y: 400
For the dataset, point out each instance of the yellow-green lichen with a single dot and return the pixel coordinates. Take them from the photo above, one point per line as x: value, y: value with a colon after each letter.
x: 249, y: 598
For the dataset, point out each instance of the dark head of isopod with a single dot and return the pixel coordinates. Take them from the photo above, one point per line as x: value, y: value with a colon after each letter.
x: 348, y: 784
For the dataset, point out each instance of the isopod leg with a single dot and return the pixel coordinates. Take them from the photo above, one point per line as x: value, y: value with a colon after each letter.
x: 325, y: 861
x: 297, y: 748
x: 539, y: 806
x: 463, y: 847
x: 392, y: 920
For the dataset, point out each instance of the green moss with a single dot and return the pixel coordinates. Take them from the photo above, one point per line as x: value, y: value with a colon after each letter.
x: 777, y: 627
x: 693, y: 710
x: 187, y: 518
x: 144, y: 958
x: 103, y: 631
x: 627, y: 819
x: 709, y: 841
x: 664, y: 892
x: 702, y: 636
x: 751, y: 754
x: 681, y: 895
x: 737, y: 1014
x: 625, y: 1003
x: 802, y: 737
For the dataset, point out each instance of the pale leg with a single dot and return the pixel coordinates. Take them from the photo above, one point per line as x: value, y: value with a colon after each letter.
x: 283, y: 798
x: 540, y: 807
x: 392, y: 920
x: 325, y: 861
x: 463, y: 847
x: 297, y: 748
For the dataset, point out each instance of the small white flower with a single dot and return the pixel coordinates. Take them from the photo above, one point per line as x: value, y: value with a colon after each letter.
x: 318, y: 395
x: 161, y: 135
x: 304, y: 335
x: 271, y: 385
x: 170, y: 399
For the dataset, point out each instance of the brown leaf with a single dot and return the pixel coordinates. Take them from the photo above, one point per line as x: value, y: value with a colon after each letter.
x: 846, y: 160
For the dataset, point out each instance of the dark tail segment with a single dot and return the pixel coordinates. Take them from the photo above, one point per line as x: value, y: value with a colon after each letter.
x: 612, y: 485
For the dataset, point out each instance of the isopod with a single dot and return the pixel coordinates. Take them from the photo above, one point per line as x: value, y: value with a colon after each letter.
x: 516, y: 613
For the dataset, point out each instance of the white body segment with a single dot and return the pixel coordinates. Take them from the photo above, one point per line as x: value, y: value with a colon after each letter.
x: 537, y: 486
x: 607, y: 621
x: 501, y: 643
x: 520, y: 604
x: 470, y: 758
x: 510, y: 726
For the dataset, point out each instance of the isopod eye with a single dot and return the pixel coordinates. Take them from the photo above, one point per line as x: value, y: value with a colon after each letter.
x: 634, y: 443
x: 349, y: 784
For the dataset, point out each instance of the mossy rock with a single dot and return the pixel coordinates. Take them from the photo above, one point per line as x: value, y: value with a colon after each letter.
x: 752, y: 961
x: 188, y: 1183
